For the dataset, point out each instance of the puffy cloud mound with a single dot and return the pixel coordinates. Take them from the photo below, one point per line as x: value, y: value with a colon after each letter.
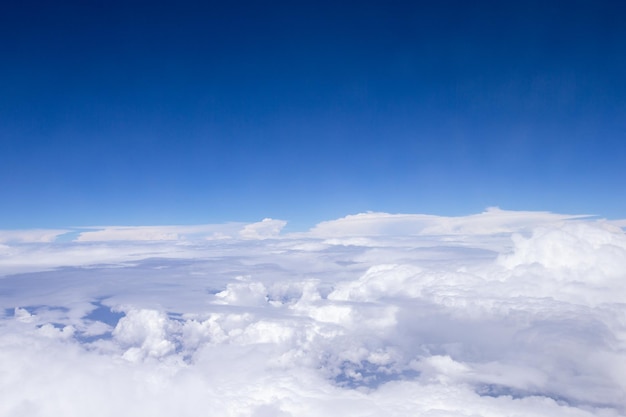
x: 575, y: 247
x: 496, y: 314
x: 264, y: 229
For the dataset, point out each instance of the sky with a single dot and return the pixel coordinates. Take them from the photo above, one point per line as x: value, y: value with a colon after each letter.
x: 495, y: 314
x: 155, y: 113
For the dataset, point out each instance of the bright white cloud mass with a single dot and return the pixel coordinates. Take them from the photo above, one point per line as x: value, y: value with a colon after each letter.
x: 497, y: 314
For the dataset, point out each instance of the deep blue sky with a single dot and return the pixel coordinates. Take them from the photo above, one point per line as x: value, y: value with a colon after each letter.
x: 180, y: 112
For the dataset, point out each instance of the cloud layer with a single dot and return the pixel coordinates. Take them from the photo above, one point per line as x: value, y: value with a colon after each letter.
x: 496, y: 314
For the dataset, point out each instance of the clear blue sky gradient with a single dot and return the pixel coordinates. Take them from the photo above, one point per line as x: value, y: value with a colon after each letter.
x: 197, y: 112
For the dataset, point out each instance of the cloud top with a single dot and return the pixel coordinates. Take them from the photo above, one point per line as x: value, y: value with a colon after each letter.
x: 492, y: 221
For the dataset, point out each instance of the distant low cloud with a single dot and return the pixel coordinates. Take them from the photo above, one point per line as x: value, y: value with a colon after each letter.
x: 262, y: 230
x: 159, y: 233
x: 497, y: 314
x: 493, y: 220
x: 31, y: 236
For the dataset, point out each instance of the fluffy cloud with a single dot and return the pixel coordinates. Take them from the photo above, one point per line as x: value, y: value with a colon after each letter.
x: 496, y: 314
x: 264, y: 229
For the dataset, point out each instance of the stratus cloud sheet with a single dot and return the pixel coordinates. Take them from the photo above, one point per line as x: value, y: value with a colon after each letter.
x: 496, y: 314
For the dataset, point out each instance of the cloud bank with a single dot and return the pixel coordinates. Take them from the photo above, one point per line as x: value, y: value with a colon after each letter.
x: 496, y: 314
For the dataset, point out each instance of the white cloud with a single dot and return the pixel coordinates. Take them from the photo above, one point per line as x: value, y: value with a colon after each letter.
x: 492, y: 221
x: 145, y: 332
x: 31, y: 236
x: 160, y: 233
x: 496, y: 314
x: 578, y: 247
x: 267, y: 228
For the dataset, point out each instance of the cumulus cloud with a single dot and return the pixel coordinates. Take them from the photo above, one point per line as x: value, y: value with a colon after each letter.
x: 264, y: 229
x: 519, y: 313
